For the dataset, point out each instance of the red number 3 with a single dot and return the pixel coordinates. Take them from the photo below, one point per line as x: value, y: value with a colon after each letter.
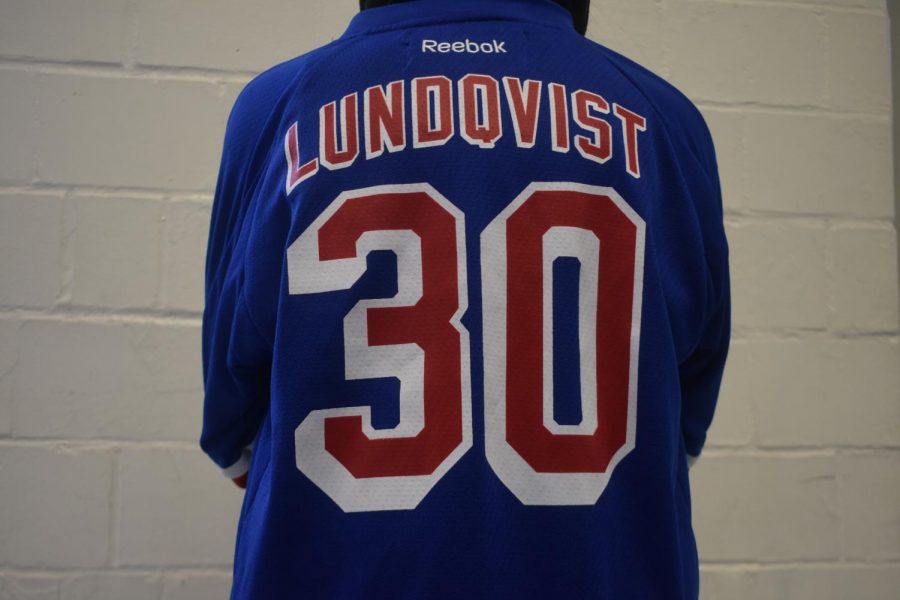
x: 417, y: 337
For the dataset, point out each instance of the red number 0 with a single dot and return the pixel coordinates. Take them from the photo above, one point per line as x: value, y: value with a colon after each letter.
x: 417, y: 337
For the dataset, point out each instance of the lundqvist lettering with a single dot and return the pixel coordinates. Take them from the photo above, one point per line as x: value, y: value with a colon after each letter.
x: 430, y: 110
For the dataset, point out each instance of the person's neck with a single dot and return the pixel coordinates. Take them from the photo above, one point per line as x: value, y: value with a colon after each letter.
x: 364, y: 4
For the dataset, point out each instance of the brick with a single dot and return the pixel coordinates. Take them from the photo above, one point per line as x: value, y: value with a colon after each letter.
x: 18, y: 105
x: 825, y: 582
x: 739, y: 502
x: 84, y: 30
x: 112, y: 586
x: 200, y: 586
x: 111, y: 131
x: 832, y: 582
x: 186, y: 234
x: 27, y: 586
x: 235, y: 35
x: 870, y: 488
x: 116, y: 381
x: 175, y: 508
x: 859, y: 57
x: 30, y: 234
x: 865, y: 280
x: 732, y: 423
x: 9, y: 352
x: 778, y: 274
x: 55, y: 507
x: 726, y: 52
x: 848, y: 174
x: 116, y: 252
x: 816, y: 392
x: 866, y: 4
x: 631, y: 28
x: 722, y: 584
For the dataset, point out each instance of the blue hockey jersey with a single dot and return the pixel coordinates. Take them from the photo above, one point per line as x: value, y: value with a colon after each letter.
x: 467, y: 313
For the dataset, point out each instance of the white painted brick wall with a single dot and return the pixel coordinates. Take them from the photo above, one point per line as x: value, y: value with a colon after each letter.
x: 111, y: 121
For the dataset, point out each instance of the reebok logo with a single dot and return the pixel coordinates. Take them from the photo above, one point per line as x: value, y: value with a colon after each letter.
x: 466, y: 46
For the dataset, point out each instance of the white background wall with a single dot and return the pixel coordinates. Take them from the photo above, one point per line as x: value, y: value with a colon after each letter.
x: 111, y: 119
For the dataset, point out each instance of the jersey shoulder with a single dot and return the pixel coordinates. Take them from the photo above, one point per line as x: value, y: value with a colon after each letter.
x: 683, y: 121
x: 249, y: 120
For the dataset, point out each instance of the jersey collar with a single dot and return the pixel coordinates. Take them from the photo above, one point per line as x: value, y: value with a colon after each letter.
x: 422, y: 12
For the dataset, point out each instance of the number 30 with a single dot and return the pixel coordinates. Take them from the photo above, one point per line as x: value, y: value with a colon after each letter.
x: 417, y: 337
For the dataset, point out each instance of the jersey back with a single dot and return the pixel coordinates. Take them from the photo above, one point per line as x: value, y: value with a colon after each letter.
x: 475, y: 298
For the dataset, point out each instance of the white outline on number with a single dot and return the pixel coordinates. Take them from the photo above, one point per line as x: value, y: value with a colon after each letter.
x: 307, y: 274
x: 585, y: 246
x: 529, y: 486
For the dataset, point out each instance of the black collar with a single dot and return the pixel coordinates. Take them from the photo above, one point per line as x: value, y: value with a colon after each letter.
x: 420, y: 12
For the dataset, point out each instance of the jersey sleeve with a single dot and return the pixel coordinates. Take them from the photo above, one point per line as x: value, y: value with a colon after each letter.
x: 702, y: 366
x: 236, y: 356
x: 701, y: 372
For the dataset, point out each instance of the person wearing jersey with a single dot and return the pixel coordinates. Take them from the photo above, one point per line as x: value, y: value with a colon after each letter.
x: 467, y: 312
